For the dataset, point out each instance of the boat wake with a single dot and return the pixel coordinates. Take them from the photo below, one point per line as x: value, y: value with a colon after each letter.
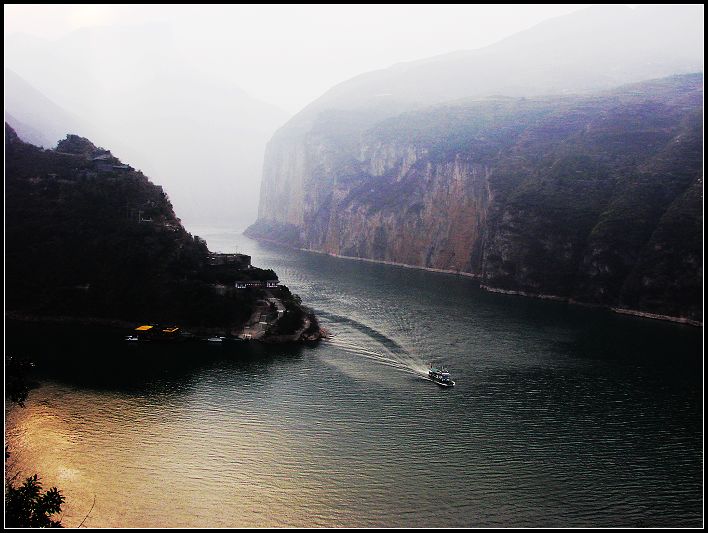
x: 357, y: 338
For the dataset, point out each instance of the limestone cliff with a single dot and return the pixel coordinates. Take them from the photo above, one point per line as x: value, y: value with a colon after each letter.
x: 587, y: 198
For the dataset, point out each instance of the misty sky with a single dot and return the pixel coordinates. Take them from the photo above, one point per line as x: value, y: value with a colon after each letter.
x: 290, y: 55
x: 163, y: 86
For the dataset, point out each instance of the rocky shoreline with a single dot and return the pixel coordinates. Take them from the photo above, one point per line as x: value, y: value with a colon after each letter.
x: 619, y: 310
x: 309, y: 332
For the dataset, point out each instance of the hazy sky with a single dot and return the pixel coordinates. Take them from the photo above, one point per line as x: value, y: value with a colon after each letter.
x: 289, y: 55
x: 159, y: 85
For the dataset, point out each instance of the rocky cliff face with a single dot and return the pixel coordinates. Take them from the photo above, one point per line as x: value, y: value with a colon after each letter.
x: 594, y: 198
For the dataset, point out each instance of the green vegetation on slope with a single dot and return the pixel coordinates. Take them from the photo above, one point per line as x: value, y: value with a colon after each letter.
x: 592, y: 198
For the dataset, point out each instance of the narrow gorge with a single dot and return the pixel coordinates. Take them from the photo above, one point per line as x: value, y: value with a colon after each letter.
x: 592, y: 198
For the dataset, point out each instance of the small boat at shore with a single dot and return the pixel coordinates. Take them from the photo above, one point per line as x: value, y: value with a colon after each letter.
x: 215, y: 339
x: 440, y: 376
x: 132, y: 338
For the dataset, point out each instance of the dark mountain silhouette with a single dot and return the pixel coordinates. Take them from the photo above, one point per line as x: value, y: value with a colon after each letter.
x: 88, y: 237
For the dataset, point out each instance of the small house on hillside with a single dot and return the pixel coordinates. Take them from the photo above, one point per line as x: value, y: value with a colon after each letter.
x: 239, y: 261
x: 270, y: 284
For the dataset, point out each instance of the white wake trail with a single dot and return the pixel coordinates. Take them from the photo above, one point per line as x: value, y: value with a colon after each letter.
x: 377, y: 357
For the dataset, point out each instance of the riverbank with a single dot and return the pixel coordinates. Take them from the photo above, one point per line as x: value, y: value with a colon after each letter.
x: 563, y: 299
x: 309, y: 331
x: 264, y: 320
x: 620, y: 310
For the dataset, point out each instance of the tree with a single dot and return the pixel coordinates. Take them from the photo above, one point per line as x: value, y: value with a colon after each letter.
x: 17, y: 384
x: 28, y: 506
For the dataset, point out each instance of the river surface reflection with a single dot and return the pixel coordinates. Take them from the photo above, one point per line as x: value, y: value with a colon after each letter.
x: 561, y: 416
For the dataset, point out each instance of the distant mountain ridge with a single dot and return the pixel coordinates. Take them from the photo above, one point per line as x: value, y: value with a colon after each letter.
x: 196, y: 132
x: 34, y: 117
x: 596, y: 48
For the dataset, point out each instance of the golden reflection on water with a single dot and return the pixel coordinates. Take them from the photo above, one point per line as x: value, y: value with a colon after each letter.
x: 145, y: 472
x: 539, y: 430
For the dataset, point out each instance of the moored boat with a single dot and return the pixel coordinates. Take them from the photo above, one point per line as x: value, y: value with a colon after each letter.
x: 155, y: 332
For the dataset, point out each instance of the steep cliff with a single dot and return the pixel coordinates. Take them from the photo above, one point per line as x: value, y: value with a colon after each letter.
x: 588, y: 198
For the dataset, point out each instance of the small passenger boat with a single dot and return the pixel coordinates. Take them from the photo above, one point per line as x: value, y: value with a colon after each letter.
x: 440, y: 376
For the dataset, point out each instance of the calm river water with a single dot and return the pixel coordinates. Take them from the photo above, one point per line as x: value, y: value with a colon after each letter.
x: 561, y: 416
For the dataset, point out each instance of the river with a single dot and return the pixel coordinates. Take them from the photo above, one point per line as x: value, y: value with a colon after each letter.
x: 561, y: 415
